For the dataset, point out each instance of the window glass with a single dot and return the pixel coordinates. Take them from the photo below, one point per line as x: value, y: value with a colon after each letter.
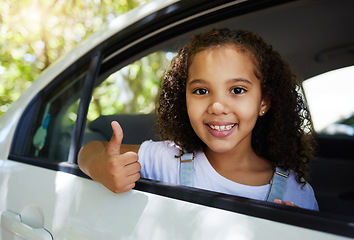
x: 125, y: 96
x: 331, y: 101
x: 53, y: 130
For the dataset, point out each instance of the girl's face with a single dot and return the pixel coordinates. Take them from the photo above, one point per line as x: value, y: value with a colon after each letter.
x: 223, y: 98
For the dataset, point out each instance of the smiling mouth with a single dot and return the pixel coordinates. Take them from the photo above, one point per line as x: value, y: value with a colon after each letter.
x: 222, y: 127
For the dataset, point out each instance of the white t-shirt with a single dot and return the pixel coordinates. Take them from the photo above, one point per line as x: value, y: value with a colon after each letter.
x: 159, y: 163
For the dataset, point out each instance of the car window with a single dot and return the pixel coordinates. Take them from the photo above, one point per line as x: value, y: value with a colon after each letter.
x: 49, y: 120
x: 331, y: 101
x: 128, y: 96
x: 54, y: 129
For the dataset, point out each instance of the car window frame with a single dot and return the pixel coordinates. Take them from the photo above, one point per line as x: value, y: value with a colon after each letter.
x: 89, y: 63
x: 85, y: 98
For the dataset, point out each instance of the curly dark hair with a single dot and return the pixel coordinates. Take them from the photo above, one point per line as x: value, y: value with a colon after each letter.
x: 284, y: 135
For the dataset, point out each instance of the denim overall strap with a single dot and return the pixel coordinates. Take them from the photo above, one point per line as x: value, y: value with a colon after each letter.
x: 186, y: 171
x: 278, y: 184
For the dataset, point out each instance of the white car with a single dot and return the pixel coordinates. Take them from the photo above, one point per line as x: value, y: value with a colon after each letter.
x: 44, y: 195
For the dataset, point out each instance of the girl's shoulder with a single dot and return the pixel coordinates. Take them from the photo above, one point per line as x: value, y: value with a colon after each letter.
x: 301, y: 195
x: 159, y: 146
x: 158, y: 161
x: 158, y: 152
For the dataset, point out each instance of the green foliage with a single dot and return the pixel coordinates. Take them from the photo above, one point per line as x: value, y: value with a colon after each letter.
x: 34, y: 33
x: 133, y: 89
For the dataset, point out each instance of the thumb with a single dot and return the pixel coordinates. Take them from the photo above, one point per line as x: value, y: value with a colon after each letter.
x: 116, y: 141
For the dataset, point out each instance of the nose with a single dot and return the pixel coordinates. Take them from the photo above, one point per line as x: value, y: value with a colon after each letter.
x: 218, y: 108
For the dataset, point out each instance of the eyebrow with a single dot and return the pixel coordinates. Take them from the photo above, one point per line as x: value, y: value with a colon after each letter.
x: 236, y: 80
x: 232, y: 80
x: 196, y: 81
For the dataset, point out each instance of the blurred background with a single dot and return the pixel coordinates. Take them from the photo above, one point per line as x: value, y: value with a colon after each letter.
x: 35, y: 33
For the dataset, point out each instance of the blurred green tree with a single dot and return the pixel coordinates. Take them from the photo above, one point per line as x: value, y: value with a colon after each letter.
x: 34, y: 33
x: 132, y: 89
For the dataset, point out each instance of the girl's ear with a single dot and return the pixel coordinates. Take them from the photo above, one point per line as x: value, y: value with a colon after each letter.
x: 265, y: 105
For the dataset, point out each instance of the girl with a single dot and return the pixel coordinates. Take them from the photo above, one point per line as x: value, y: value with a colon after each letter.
x: 232, y: 101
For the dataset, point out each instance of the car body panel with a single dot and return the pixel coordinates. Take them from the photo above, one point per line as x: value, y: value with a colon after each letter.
x: 67, y: 211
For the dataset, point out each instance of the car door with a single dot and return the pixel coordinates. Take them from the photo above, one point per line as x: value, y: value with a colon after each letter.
x: 45, y: 196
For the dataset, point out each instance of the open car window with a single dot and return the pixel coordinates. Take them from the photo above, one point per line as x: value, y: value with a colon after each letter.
x: 128, y: 96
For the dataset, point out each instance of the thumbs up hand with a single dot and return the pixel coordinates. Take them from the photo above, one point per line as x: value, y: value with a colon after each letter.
x: 105, y: 162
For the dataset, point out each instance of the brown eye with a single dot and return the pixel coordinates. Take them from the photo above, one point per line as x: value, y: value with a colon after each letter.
x: 201, y: 91
x: 238, y: 90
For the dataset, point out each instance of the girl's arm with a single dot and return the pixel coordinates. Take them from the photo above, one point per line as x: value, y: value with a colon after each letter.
x: 114, y: 165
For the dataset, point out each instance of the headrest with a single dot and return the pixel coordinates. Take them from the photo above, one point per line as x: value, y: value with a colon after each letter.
x: 136, y: 127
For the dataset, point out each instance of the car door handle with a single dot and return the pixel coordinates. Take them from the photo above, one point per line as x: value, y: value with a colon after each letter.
x: 12, y: 222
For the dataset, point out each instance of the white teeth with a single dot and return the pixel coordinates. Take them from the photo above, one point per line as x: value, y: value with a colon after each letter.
x: 222, y: 127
